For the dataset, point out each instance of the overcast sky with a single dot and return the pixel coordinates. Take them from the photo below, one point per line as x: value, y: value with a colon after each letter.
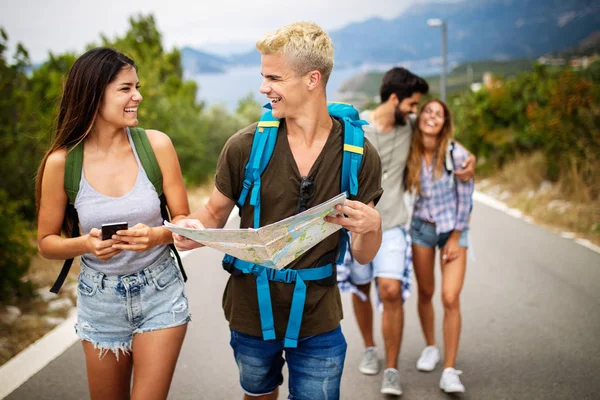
x: 68, y: 25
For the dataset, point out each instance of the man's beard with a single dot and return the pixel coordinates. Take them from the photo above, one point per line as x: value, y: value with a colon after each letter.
x: 400, y: 117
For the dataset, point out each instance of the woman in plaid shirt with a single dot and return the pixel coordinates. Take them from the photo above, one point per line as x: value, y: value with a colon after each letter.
x: 440, y: 218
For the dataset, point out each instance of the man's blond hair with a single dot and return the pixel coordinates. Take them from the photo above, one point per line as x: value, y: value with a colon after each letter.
x: 307, y: 46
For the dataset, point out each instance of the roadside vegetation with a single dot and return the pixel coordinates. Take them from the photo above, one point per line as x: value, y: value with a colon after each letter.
x: 537, y: 136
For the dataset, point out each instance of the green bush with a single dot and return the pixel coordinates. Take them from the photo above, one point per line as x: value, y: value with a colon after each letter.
x: 15, y: 251
x: 558, y: 113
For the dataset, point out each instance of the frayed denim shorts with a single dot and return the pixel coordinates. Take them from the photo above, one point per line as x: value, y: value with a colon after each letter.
x: 111, y: 309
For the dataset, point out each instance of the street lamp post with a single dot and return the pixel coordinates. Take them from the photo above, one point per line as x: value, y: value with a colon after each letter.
x: 435, y: 23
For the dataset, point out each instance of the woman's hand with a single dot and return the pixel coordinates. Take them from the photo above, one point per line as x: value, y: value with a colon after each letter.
x: 450, y: 252
x: 138, y: 238
x: 468, y: 171
x: 102, y: 249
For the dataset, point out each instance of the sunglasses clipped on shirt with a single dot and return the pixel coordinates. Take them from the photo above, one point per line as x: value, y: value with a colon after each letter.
x: 306, y: 193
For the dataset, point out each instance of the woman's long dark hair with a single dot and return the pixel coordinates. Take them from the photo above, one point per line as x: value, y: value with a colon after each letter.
x: 82, y: 97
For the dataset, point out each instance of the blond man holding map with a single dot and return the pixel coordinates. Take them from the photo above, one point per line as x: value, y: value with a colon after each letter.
x: 304, y: 171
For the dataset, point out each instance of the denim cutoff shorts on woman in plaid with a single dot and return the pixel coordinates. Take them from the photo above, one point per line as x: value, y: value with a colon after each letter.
x: 423, y: 234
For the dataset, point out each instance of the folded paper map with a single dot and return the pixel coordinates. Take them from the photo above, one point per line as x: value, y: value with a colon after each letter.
x: 275, y: 245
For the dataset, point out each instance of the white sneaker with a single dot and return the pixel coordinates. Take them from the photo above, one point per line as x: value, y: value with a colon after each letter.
x: 450, y: 382
x: 391, y: 382
x: 430, y: 356
x: 369, y: 365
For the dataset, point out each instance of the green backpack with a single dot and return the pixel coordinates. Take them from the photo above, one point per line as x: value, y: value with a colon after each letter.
x: 73, y: 167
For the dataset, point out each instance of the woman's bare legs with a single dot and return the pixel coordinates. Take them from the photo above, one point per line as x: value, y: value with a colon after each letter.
x: 453, y: 276
x: 423, y: 262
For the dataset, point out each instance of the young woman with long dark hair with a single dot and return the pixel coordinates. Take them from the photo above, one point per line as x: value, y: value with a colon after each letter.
x: 132, y: 310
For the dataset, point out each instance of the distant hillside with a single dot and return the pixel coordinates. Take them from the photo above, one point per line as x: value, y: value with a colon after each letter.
x: 587, y: 46
x: 367, y: 85
x: 196, y: 61
x: 477, y: 30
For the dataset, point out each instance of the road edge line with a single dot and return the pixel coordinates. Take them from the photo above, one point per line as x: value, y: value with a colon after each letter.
x: 513, y: 212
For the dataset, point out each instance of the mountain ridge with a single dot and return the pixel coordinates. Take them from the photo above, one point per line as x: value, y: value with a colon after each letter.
x: 477, y: 30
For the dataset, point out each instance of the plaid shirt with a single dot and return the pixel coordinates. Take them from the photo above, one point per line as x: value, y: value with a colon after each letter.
x: 448, y: 201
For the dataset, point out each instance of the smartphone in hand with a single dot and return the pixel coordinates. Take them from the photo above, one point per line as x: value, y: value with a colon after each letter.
x: 111, y: 229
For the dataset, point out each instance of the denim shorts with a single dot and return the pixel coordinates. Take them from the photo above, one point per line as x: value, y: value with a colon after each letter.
x: 392, y: 259
x: 423, y: 234
x: 111, y: 309
x: 315, y: 366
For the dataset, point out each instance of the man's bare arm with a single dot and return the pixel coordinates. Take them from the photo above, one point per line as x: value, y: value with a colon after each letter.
x: 212, y: 215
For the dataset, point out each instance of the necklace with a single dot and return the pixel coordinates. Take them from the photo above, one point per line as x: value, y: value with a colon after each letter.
x: 384, y: 165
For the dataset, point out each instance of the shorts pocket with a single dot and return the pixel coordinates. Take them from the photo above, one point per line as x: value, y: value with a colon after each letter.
x: 416, y: 226
x: 86, y: 287
x: 166, y: 277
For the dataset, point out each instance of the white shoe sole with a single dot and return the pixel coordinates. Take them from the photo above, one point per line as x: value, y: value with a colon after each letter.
x: 459, y: 390
x: 425, y: 369
x: 366, y: 371
x: 393, y: 392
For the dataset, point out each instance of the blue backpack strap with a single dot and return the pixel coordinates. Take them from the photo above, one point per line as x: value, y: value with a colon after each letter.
x: 342, y: 110
x: 299, y: 297
x: 263, y: 145
x: 263, y: 276
x: 263, y: 292
x: 354, y: 139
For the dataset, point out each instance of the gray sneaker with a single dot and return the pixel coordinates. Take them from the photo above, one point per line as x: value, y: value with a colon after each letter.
x: 391, y: 382
x: 369, y: 365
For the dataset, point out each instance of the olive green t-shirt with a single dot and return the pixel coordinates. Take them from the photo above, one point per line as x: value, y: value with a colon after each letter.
x: 279, y: 196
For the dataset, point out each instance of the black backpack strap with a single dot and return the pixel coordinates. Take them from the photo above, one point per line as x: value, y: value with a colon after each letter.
x: 60, y: 280
x: 72, y: 177
x: 165, y: 215
x: 328, y: 258
x: 449, y: 158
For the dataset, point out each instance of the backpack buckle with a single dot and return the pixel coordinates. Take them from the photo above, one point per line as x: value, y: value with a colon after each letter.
x: 282, y: 275
x: 247, y: 184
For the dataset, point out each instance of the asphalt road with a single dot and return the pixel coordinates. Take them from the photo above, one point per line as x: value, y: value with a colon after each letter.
x: 531, y: 327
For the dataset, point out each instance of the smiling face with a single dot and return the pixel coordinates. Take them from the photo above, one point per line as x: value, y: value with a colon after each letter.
x: 121, y: 100
x: 432, y: 119
x: 407, y: 106
x: 285, y: 90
